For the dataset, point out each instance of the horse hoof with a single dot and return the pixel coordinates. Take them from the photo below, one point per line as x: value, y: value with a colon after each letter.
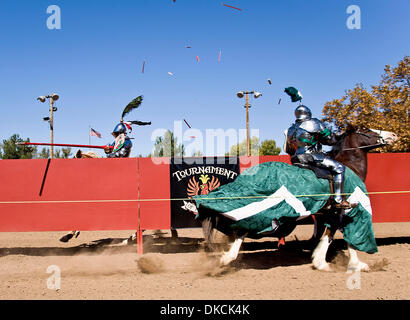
x: 174, y: 234
x: 131, y: 240
x: 225, y: 260
x: 324, y: 267
x: 361, y: 266
x: 66, y: 238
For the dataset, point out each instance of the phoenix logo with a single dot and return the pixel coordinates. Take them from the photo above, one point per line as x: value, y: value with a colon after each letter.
x: 208, y: 184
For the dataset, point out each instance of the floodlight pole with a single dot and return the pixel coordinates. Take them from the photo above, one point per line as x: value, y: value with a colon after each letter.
x: 51, y: 127
x: 247, y: 106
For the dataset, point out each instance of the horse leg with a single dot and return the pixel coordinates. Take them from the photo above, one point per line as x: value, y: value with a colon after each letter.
x: 354, y: 263
x: 174, y: 233
x: 318, y: 230
x: 319, y: 254
x: 131, y: 239
x: 208, y: 231
x: 232, y: 254
x: 69, y: 236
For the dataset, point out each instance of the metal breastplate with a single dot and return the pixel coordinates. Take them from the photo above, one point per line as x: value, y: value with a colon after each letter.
x: 124, y: 151
x: 307, y: 136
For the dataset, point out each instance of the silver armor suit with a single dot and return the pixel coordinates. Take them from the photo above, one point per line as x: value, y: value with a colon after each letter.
x: 124, y: 152
x: 310, y: 134
x: 304, y: 143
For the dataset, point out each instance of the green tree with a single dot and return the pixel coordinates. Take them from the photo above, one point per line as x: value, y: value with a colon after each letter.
x: 9, y: 149
x: 197, y: 153
x: 269, y: 148
x: 64, y: 153
x: 240, y: 149
x: 44, y: 154
x: 385, y: 107
x: 168, y: 146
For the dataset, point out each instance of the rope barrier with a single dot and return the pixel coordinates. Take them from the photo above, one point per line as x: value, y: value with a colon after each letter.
x: 189, y: 199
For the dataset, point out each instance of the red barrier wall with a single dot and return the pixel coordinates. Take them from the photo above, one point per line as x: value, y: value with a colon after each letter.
x: 155, y: 185
x: 106, y: 191
x: 389, y: 172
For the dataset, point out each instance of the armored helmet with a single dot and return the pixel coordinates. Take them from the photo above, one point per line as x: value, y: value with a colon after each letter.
x: 303, y: 113
x: 120, y: 128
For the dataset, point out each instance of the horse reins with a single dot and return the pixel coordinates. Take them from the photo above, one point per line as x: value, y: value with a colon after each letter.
x: 370, y: 145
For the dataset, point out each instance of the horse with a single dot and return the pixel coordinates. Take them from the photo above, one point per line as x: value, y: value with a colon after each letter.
x: 351, y: 149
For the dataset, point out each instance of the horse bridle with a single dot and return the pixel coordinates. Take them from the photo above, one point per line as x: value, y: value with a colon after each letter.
x: 381, y: 142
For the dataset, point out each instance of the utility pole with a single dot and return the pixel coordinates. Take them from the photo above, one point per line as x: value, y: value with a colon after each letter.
x: 51, y: 128
x: 53, y: 97
x: 240, y: 94
x: 247, y: 106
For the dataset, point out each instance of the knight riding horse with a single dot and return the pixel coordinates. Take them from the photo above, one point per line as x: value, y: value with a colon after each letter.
x: 268, y: 199
x: 304, y: 144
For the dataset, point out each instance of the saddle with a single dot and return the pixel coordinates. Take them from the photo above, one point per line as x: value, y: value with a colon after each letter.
x: 319, y: 172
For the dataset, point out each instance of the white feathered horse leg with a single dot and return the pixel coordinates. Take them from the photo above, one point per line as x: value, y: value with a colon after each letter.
x: 319, y: 254
x: 233, y: 252
x: 354, y: 263
x: 130, y: 240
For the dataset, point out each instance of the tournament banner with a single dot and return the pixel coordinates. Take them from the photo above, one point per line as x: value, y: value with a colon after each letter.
x: 196, y: 176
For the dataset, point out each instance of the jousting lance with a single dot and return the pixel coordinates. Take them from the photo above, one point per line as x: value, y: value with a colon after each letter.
x: 63, y: 145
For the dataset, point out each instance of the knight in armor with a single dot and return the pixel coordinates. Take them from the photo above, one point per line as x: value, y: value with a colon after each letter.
x: 121, y: 147
x: 122, y: 144
x: 304, y: 144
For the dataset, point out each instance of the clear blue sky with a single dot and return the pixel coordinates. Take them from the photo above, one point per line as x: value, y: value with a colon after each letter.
x: 94, y: 62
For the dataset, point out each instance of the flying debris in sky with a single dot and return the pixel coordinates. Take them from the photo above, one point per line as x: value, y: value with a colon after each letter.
x: 188, y: 47
x: 279, y: 101
x: 197, y: 59
x: 294, y: 94
x: 170, y: 73
x: 143, y: 66
x: 270, y: 82
x: 219, y: 57
x: 227, y: 5
x: 187, y: 124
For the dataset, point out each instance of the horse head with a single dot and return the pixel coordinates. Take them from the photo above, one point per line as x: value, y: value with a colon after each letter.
x: 88, y: 154
x: 367, y: 139
x: 385, y: 137
x: 354, y: 144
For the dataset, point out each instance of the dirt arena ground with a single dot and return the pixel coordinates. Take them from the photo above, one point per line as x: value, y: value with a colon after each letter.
x: 95, y: 266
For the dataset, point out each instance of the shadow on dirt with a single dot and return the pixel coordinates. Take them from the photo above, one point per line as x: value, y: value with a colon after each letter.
x: 261, y: 254
x: 152, y: 243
